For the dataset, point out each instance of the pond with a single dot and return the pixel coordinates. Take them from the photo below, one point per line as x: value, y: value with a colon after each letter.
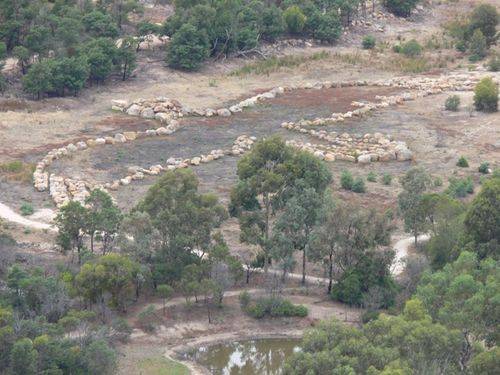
x: 247, y: 357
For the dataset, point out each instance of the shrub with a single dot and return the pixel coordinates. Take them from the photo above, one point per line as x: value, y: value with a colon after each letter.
x: 401, y: 8
x: 484, y: 168
x: 372, y: 177
x: 438, y: 181
x: 274, y: 307
x: 188, y: 48
x: 256, y: 311
x: 452, y: 103
x: 386, y: 179
x: 368, y: 42
x: 358, y: 185
x: 146, y: 320
x: 244, y: 298
x: 294, y: 19
x: 26, y: 209
x: 325, y: 27
x: 494, y: 63
x: 121, y: 329
x: 396, y: 48
x: 485, y: 18
x: 462, y: 162
x: 346, y: 180
x: 412, y: 48
x: 369, y: 315
x: 486, y: 95
x: 460, y: 187
x: 477, y: 46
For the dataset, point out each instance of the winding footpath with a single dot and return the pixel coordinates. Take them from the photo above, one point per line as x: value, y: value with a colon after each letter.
x: 400, y: 247
x: 8, y: 214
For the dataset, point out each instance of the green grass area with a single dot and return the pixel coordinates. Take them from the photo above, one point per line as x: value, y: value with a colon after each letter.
x: 161, y: 366
x: 274, y: 63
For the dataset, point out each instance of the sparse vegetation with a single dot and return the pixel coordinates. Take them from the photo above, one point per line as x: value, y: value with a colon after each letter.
x: 494, y: 63
x: 274, y: 64
x: 484, y: 168
x: 346, y: 180
x: 462, y: 162
x: 386, y: 179
x: 460, y: 187
x: 26, y: 209
x: 371, y: 177
x: 369, y: 42
x: 412, y: 48
x: 162, y: 366
x: 452, y: 103
x: 17, y: 171
x: 358, y: 185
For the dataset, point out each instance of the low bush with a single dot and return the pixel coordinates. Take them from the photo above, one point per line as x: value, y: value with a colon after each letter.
x: 412, y: 48
x: 401, y: 8
x: 346, y: 180
x: 484, y: 168
x: 146, y: 320
x: 245, y: 299
x: 369, y: 42
x: 372, y: 177
x: 358, y: 186
x: 386, y: 179
x: 274, y: 307
x: 26, y: 209
x: 369, y: 315
x: 438, y: 181
x: 462, y: 162
x: 494, y: 63
x: 460, y: 187
x: 452, y: 103
x: 477, y: 46
x: 486, y: 95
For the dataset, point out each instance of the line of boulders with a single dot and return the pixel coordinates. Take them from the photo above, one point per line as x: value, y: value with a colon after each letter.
x: 241, y: 145
x: 64, y: 189
x: 362, y: 149
x: 165, y: 109
x: 169, y: 111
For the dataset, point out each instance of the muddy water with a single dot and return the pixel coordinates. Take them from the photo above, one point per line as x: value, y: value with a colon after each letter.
x: 249, y: 357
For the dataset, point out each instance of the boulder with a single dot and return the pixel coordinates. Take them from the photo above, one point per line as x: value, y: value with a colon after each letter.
x: 81, y: 145
x: 196, y: 160
x: 329, y: 156
x: 162, y: 116
x: 120, y: 138
x: 134, y: 110
x: 148, y: 113
x: 224, y: 112
x: 71, y: 147
x: 130, y: 136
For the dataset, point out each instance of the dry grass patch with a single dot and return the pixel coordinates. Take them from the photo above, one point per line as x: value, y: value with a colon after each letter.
x: 161, y: 366
x: 277, y: 63
x: 17, y: 171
